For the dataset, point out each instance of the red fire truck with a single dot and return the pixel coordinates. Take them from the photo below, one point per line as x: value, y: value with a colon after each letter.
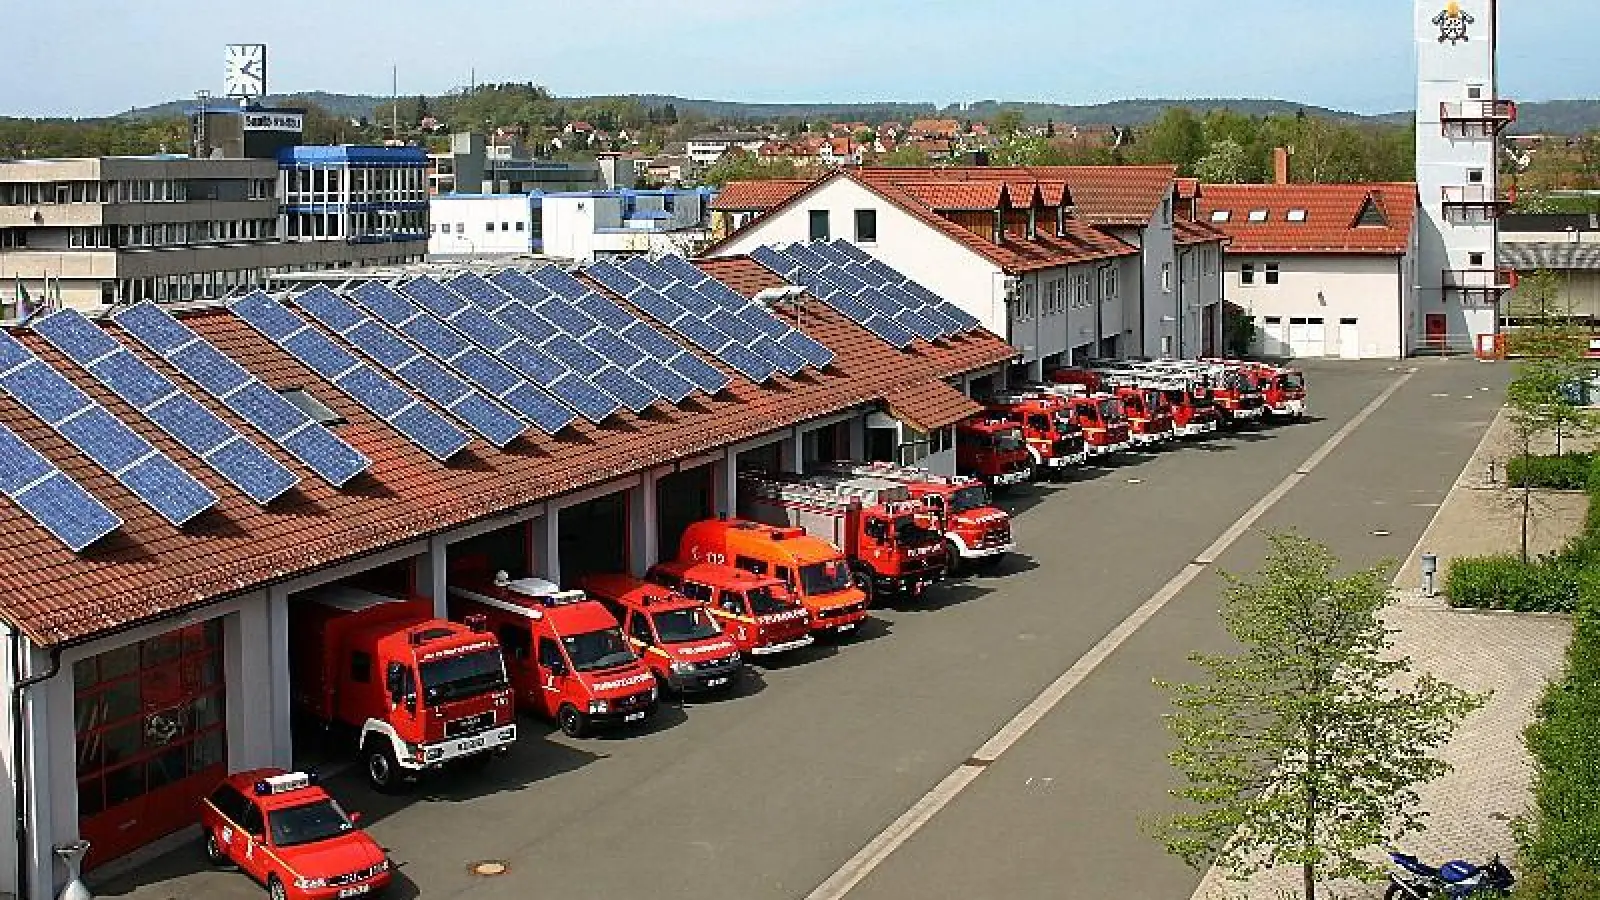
x: 1105, y: 426
x: 1236, y: 395
x: 990, y: 447
x: 568, y: 659
x: 1054, y: 441
x: 1149, y: 416
x: 285, y: 832
x: 1283, y: 390
x: 418, y: 691
x: 957, y: 506
x: 676, y: 636
x: 873, y: 521
x: 756, y: 611
x: 815, y: 571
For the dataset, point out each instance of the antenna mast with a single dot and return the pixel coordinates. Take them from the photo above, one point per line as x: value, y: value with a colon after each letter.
x: 394, y: 101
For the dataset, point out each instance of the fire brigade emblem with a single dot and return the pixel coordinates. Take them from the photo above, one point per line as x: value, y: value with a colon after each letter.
x: 1453, y: 24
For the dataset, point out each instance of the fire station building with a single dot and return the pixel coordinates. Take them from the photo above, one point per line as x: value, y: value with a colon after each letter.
x: 148, y: 573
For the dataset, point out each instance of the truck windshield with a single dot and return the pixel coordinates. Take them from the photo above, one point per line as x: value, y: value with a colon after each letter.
x: 1292, y: 381
x: 1111, y: 409
x: 1089, y: 414
x: 1176, y: 398
x: 680, y: 625
x: 969, y: 498
x: 596, y: 650
x: 824, y: 578
x: 307, y: 824
x: 1007, y: 442
x: 764, y: 603
x: 1134, y: 405
x: 463, y: 676
x: 908, y: 533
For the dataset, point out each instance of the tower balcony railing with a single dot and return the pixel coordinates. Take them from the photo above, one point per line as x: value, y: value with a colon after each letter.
x: 1496, y: 281
x: 1466, y: 204
x: 1503, y: 112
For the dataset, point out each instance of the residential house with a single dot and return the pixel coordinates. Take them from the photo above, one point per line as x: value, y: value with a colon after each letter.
x: 578, y: 225
x: 706, y: 149
x: 1322, y: 269
x: 934, y: 129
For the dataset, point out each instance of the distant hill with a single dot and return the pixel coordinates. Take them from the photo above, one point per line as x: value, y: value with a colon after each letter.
x: 1552, y: 117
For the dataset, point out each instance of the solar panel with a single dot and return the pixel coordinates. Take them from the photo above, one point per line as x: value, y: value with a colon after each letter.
x: 844, y: 271
x: 200, y: 431
x: 54, y: 500
x: 267, y: 411
x: 749, y: 311
x: 423, y: 374
x: 799, y: 265
x: 629, y: 373
x: 101, y: 436
x: 680, y: 319
x: 931, y: 302
x: 403, y: 412
x: 601, y: 384
x: 486, y: 371
x: 641, y: 334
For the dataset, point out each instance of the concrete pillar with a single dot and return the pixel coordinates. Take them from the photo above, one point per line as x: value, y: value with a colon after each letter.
x: 794, y: 452
x: 643, y: 536
x: 52, y: 794
x: 857, y: 431
x: 433, y: 573
x: 728, y: 485
x: 281, y: 734
x: 1036, y: 371
x: 546, y: 541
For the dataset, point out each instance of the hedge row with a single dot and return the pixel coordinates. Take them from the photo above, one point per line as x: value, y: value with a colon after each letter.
x: 1567, y: 472
x: 1552, y: 583
x: 1560, y: 843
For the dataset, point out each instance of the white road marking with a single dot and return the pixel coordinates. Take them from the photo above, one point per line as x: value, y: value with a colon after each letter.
x: 870, y: 856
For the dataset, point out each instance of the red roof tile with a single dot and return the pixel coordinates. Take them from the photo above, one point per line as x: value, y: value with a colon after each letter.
x: 149, y: 569
x: 757, y: 196
x: 1329, y: 225
x: 1185, y: 233
x: 930, y: 405
x: 944, y: 195
x: 1188, y: 188
x: 1102, y: 195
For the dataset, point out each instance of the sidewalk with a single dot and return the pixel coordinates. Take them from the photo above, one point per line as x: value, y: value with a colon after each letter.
x: 1513, y: 655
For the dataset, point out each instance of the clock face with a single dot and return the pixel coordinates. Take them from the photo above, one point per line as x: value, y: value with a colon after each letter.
x: 245, y: 73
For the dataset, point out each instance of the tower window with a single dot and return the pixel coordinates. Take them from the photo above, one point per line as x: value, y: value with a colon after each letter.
x: 1475, y: 176
x: 1474, y: 92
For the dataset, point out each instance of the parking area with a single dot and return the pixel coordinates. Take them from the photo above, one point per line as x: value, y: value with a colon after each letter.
x: 768, y: 793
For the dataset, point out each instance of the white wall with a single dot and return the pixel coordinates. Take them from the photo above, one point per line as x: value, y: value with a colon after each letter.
x: 473, y: 215
x: 906, y: 243
x: 1365, y: 288
x: 1444, y: 72
x: 1160, y: 304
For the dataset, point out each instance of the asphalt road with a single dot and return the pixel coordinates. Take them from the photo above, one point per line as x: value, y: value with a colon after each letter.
x: 767, y: 794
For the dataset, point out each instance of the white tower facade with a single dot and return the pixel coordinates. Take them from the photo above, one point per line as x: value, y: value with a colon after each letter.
x: 1460, y: 116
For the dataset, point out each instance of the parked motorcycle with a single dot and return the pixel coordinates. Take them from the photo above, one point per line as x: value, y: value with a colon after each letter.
x: 1415, y: 880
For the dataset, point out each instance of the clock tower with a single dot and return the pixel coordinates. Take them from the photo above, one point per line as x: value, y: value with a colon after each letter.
x: 245, y: 72
x: 1460, y: 116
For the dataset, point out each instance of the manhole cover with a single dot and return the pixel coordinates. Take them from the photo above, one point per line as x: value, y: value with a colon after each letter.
x: 489, y: 868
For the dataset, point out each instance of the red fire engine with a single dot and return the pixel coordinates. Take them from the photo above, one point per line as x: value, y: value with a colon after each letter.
x: 677, y: 637
x: 958, y: 507
x: 1054, y: 441
x: 285, y: 832
x: 756, y: 611
x: 1283, y: 390
x: 418, y: 691
x: 873, y: 521
x: 1149, y: 415
x: 1105, y: 426
x: 568, y: 659
x: 990, y: 447
x: 815, y: 570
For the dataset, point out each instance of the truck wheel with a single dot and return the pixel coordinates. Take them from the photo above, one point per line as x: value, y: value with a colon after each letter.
x: 275, y: 889
x: 864, y: 581
x: 952, y: 559
x: 214, y: 854
x: 383, y: 772
x: 571, y: 722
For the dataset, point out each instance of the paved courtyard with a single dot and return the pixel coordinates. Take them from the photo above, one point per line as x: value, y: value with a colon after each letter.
x: 1002, y: 740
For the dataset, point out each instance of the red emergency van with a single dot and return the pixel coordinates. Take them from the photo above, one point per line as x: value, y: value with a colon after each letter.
x: 566, y: 654
x: 756, y: 611
x: 677, y: 636
x: 814, y: 570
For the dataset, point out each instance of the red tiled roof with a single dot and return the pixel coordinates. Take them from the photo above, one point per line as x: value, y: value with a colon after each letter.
x: 1102, y: 195
x: 1188, y: 188
x: 935, y: 127
x: 757, y: 196
x: 149, y: 569
x: 1185, y: 233
x: 943, y: 195
x: 930, y: 405
x: 1330, y: 225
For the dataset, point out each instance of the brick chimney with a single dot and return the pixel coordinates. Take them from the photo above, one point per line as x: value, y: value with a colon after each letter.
x: 1280, y: 165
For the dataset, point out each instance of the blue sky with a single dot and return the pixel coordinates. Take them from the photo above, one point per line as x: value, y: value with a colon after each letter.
x: 97, y: 57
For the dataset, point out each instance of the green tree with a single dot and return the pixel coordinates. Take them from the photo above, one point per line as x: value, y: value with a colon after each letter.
x: 1301, y: 750
x: 1017, y: 149
x: 1225, y: 163
x: 739, y: 165
x: 906, y: 155
x: 1009, y: 121
x: 1177, y: 137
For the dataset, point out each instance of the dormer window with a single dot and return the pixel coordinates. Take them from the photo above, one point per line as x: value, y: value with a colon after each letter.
x: 1258, y: 215
x: 1221, y: 215
x: 1296, y: 215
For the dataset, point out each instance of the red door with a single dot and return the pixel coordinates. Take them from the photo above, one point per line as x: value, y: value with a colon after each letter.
x: 150, y: 738
x: 1434, y: 330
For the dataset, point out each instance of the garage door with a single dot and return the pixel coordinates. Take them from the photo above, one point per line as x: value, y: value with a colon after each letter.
x: 1307, y: 337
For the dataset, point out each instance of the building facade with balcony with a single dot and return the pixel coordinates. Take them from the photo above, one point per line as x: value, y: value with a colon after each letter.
x: 1460, y: 116
x: 577, y: 225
